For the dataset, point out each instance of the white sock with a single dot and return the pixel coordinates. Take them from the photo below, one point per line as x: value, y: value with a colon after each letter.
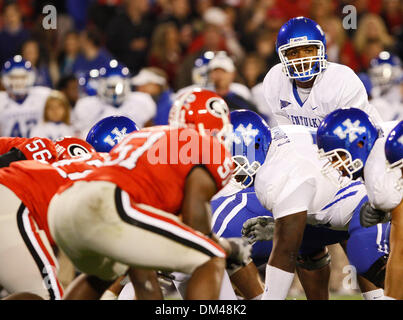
x: 259, y: 297
x: 127, y: 292
x: 376, y: 294
x: 277, y: 283
x: 226, y: 292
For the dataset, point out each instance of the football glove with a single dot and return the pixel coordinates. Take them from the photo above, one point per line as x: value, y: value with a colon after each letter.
x: 258, y: 229
x: 238, y: 254
x: 370, y: 216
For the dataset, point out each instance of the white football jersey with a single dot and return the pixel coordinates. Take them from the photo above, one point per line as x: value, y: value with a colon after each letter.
x: 291, y: 181
x: 380, y: 181
x: 336, y: 87
x: 390, y: 110
x: 52, y: 130
x: 261, y: 104
x: 138, y: 106
x: 17, y: 120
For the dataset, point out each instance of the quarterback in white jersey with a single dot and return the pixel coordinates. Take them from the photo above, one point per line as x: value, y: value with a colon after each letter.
x: 305, y: 87
x: 22, y: 104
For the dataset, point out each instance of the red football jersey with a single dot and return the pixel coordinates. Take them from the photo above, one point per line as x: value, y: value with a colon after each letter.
x: 152, y: 164
x: 40, y: 149
x: 35, y: 183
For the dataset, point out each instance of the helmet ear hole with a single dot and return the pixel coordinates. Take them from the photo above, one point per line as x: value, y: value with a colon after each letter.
x: 257, y: 145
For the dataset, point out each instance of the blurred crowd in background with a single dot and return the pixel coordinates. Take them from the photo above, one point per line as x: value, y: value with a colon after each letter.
x: 164, y: 38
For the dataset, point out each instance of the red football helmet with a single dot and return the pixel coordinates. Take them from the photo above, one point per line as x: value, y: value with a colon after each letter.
x: 69, y: 147
x: 202, y: 110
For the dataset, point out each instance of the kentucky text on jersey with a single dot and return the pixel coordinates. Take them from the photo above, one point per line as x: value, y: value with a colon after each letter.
x: 305, y: 121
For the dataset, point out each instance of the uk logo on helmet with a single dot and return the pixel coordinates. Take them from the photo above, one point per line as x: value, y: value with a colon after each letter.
x: 248, y: 134
x: 351, y: 129
x: 118, y: 136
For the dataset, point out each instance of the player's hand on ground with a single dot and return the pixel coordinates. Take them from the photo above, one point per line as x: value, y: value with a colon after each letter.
x: 370, y: 216
x: 238, y: 253
x: 258, y: 229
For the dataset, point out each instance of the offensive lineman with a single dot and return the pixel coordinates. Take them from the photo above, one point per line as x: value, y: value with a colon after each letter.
x: 356, y: 147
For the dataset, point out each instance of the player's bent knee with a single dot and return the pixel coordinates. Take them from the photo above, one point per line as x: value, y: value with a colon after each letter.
x: 309, y: 262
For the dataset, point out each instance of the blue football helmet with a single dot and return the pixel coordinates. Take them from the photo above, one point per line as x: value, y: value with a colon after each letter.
x: 114, y: 83
x: 385, y: 70
x: 298, y: 32
x: 250, y: 143
x: 108, y: 132
x: 394, y: 150
x: 18, y: 77
x: 89, y: 82
x: 345, y: 137
x: 200, y: 68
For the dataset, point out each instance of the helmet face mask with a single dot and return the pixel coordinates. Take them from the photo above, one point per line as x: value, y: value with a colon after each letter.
x: 114, y: 89
x: 303, y: 69
x: 251, y: 140
x: 385, y: 71
x: 342, y: 161
x: 200, y: 69
x: 244, y: 171
x: 18, y: 77
x: 345, y: 138
x: 301, y: 32
x: 113, y: 83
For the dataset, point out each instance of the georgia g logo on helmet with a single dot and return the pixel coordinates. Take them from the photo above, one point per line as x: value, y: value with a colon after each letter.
x: 76, y: 150
x: 70, y: 147
x: 217, y: 107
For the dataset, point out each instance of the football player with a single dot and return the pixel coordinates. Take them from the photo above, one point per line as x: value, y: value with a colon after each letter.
x: 305, y: 87
x: 26, y: 246
x: 394, y: 272
x: 114, y: 97
x: 355, y: 147
x: 151, y: 178
x: 385, y: 73
x: 23, y: 103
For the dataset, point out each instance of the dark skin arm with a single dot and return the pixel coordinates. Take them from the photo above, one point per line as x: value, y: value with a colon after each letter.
x: 288, y: 233
x: 199, y: 189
